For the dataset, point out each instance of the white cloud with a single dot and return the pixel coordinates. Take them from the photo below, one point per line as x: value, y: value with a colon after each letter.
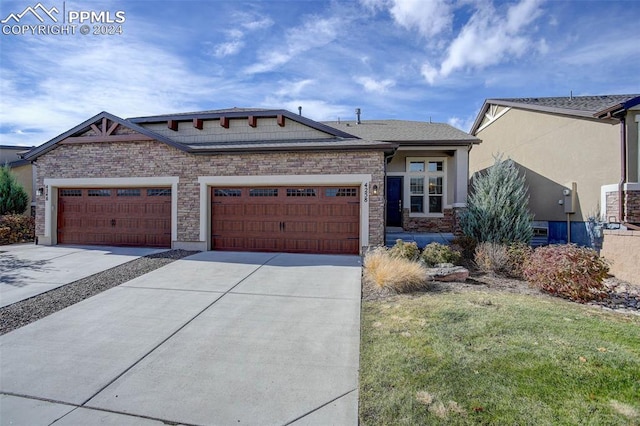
x: 463, y: 124
x: 375, y: 86
x: 289, y: 89
x: 429, y: 17
x: 229, y: 48
x: 235, y: 37
x: 314, y: 33
x: 489, y: 38
x: 429, y: 72
x: 258, y: 24
x: 81, y: 80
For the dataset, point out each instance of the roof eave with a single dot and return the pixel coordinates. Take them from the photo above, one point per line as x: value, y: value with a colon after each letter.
x: 616, y: 110
x: 36, y: 152
x: 460, y: 142
x: 317, y: 148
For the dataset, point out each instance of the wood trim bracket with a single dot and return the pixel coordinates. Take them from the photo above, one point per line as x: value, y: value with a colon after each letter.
x: 253, y: 121
x: 224, y: 122
x: 280, y: 120
x: 198, y: 123
x: 173, y: 125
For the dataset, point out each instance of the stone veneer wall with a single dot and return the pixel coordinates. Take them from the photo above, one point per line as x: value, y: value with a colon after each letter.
x: 449, y: 223
x: 621, y: 248
x: 632, y: 205
x: 148, y: 159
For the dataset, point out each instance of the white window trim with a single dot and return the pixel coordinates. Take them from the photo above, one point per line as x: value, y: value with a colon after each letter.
x: 206, y: 182
x: 51, y: 201
x: 426, y: 174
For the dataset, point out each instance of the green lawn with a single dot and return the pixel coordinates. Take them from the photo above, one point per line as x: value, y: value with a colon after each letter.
x: 497, y: 358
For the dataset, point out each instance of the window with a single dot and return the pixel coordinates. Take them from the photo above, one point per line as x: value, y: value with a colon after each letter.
x: 71, y: 193
x: 304, y: 192
x: 128, y: 192
x: 416, y: 166
x: 341, y: 192
x: 426, y: 185
x: 263, y: 192
x: 159, y: 192
x: 416, y: 189
x: 99, y: 193
x: 227, y: 192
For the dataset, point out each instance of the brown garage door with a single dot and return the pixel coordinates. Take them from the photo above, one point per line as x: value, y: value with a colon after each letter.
x: 138, y: 217
x: 288, y: 219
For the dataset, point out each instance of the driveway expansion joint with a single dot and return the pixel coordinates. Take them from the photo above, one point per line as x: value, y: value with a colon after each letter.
x: 319, y: 407
x: 292, y: 296
x: 174, y: 333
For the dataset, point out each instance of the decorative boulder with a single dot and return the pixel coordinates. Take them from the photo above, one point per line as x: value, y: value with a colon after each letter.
x: 447, y: 272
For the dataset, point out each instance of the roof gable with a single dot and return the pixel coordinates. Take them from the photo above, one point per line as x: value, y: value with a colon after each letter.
x: 103, y: 127
x: 586, y: 107
x: 240, y: 113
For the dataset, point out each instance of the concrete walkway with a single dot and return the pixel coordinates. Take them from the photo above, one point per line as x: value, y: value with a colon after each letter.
x: 27, y: 270
x: 213, y: 339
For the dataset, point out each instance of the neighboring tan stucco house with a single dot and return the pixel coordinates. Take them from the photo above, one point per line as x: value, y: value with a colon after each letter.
x: 241, y: 179
x: 23, y: 170
x: 426, y: 177
x: 575, y: 151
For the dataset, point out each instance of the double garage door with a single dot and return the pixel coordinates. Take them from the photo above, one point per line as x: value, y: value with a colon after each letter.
x: 138, y: 217
x: 310, y: 219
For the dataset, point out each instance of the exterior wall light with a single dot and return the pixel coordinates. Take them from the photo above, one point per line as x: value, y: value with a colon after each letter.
x: 375, y: 189
x: 39, y: 192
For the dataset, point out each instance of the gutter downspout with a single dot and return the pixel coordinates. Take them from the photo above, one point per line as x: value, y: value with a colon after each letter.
x: 623, y: 170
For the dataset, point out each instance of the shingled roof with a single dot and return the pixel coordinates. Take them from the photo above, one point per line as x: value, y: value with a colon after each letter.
x: 579, y: 106
x: 405, y: 132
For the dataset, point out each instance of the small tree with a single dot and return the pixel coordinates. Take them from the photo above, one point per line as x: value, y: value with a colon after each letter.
x: 13, y: 198
x: 498, y: 206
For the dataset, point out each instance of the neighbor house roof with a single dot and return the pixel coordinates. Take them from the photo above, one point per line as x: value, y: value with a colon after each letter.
x: 406, y: 132
x: 578, y: 106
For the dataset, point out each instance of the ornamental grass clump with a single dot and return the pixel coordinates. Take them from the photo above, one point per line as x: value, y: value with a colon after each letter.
x: 569, y: 271
x: 492, y: 258
x: 394, y: 273
x: 436, y: 253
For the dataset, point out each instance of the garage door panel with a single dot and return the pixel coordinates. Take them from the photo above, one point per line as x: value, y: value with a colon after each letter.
x: 301, y: 219
x: 267, y: 226
x: 115, y: 216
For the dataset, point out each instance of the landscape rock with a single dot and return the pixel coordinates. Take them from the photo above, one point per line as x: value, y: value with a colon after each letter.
x: 447, y: 272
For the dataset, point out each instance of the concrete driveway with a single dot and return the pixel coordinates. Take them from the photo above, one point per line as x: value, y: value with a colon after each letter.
x: 27, y: 270
x: 213, y: 339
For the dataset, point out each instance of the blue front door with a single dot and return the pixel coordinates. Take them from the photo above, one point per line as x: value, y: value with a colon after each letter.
x: 394, y: 201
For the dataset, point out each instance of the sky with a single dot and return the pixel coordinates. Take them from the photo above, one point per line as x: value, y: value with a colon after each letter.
x: 426, y: 60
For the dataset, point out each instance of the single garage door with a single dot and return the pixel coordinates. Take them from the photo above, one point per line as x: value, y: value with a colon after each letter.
x: 138, y: 217
x: 314, y: 219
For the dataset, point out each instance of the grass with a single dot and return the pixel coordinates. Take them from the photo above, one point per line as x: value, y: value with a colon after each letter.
x: 497, y: 358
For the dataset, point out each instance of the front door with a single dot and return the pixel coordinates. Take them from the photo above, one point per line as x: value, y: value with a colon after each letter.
x: 394, y: 200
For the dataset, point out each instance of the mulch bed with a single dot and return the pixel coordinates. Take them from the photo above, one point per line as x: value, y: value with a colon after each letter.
x: 620, y: 296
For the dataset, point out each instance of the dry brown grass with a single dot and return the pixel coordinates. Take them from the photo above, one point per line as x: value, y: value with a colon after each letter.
x: 397, y: 274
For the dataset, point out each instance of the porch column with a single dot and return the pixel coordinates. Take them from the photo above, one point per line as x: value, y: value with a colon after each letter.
x: 462, y: 177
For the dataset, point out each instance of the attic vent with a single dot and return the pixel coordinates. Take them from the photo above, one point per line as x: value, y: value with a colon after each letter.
x: 358, y: 116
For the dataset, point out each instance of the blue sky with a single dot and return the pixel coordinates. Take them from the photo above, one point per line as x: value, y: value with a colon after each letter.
x: 404, y: 59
